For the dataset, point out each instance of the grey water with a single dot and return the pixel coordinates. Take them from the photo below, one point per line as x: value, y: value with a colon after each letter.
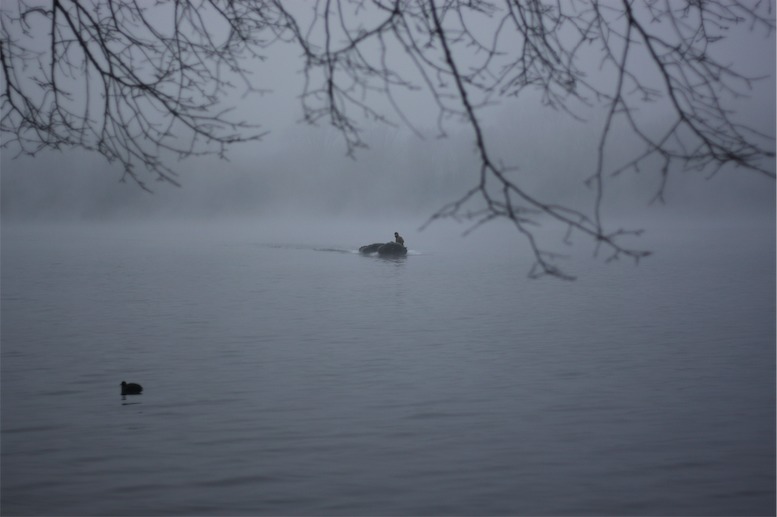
x: 288, y: 375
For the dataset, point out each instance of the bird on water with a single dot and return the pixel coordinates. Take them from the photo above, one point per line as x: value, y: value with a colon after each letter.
x: 130, y: 388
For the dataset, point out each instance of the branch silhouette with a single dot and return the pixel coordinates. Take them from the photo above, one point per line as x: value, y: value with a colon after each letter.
x: 144, y: 84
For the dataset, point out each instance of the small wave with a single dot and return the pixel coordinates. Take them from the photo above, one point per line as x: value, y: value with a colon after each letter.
x: 309, y: 247
x: 335, y: 250
x: 305, y: 247
x: 279, y: 246
x: 30, y: 429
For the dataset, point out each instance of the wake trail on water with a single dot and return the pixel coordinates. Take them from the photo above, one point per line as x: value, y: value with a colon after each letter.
x: 309, y: 247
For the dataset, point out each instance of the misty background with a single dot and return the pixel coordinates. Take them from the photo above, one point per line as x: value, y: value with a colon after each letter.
x: 302, y: 172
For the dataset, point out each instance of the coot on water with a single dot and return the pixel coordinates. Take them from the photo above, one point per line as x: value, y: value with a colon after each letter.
x: 130, y: 388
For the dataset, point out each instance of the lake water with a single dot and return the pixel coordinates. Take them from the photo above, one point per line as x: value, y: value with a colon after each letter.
x: 288, y: 375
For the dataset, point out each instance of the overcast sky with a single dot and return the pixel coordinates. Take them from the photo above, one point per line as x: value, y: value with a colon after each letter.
x: 299, y: 170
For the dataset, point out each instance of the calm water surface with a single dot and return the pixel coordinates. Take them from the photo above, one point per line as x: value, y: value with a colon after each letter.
x: 291, y: 377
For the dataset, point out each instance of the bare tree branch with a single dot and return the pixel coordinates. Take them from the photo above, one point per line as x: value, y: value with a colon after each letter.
x: 155, y: 76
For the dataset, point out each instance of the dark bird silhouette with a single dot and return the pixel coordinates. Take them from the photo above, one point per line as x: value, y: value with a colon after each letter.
x: 130, y: 388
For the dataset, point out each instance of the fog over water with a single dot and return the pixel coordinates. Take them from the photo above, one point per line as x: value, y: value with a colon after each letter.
x: 300, y: 170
